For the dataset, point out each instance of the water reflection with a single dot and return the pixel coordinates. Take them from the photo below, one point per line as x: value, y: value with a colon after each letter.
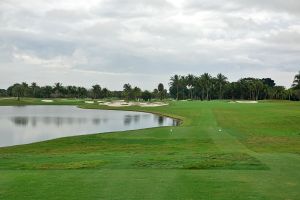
x: 131, y: 119
x: 96, y: 121
x: 161, y: 120
x: 20, y: 121
x: 57, y: 121
x: 21, y: 125
x: 175, y: 123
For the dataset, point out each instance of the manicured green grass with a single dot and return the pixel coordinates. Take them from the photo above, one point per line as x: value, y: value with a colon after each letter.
x: 256, y: 155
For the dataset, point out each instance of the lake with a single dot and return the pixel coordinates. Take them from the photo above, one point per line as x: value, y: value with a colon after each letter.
x: 28, y: 124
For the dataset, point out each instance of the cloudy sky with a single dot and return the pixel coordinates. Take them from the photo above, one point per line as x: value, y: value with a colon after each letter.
x: 143, y: 42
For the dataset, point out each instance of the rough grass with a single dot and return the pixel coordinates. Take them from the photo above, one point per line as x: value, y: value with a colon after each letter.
x: 254, y: 156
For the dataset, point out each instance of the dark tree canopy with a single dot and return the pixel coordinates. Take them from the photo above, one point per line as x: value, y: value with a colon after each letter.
x: 202, y: 87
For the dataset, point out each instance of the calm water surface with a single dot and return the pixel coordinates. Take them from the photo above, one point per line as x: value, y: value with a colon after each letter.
x: 27, y: 124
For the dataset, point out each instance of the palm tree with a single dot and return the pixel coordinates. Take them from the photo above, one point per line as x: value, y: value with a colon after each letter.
x: 258, y: 88
x: 182, y: 85
x: 136, y: 93
x: 18, y: 91
x: 296, y: 82
x: 26, y: 89
x: 161, y: 89
x: 146, y: 95
x: 58, y: 89
x: 206, y: 78
x: 71, y: 91
x: 96, y: 91
x: 200, y: 85
x: 175, y: 83
x: 190, y: 84
x: 81, y: 92
x: 279, y: 92
x: 127, y: 91
x: 289, y: 93
x: 155, y: 93
x: 221, y: 81
x: 34, y: 88
x: 46, y: 91
x: 105, y: 92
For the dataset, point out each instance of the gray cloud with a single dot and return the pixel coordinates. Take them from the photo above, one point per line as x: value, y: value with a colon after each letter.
x: 145, y: 42
x: 289, y: 6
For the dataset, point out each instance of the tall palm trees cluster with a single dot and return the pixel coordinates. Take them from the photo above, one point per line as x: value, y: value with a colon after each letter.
x: 207, y: 87
x: 135, y: 93
x: 197, y: 87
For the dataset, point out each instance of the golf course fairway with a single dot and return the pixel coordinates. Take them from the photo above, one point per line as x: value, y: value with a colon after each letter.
x: 221, y: 151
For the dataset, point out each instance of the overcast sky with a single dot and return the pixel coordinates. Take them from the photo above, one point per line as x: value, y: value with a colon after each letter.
x: 144, y: 42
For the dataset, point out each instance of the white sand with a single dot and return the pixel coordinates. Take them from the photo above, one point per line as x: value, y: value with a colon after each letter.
x: 155, y: 104
x: 246, y: 101
x: 47, y: 100
x: 89, y: 102
x: 122, y: 103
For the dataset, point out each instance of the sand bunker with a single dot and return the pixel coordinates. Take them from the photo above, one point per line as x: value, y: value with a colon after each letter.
x: 122, y: 103
x: 89, y: 102
x: 155, y: 104
x: 6, y: 98
x: 246, y: 101
x: 47, y: 100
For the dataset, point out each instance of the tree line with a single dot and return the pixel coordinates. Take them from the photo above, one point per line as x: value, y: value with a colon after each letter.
x: 207, y: 87
x: 203, y: 87
x: 95, y: 92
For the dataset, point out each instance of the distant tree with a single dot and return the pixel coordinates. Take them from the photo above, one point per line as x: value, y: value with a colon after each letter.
x: 289, y: 93
x: 46, y: 91
x: 105, y: 93
x: 34, y: 89
x: 175, y: 83
x: 70, y: 91
x: 146, y: 95
x: 296, y: 95
x: 296, y: 82
x: 96, y: 91
x: 221, y: 80
x: 136, y: 93
x: 82, y: 92
x: 26, y: 89
x: 232, y: 90
x: 279, y: 92
x: 117, y: 94
x: 201, y: 86
x: 161, y: 90
x: 58, y: 90
x: 190, y: 82
x: 18, y: 91
x: 127, y: 91
x: 258, y: 88
x: 155, y: 93
x: 268, y: 81
x: 183, y: 86
x: 3, y: 93
x: 207, y: 83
